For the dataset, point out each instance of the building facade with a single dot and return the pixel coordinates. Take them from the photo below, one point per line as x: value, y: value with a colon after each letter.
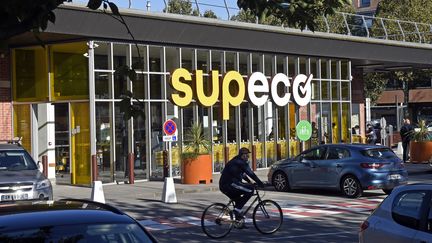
x: 66, y: 101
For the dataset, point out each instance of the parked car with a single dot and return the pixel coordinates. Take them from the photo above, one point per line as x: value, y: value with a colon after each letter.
x: 404, y: 216
x: 350, y: 168
x: 68, y: 220
x: 20, y: 178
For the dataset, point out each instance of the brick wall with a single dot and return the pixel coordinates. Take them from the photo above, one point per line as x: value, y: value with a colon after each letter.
x: 5, y: 97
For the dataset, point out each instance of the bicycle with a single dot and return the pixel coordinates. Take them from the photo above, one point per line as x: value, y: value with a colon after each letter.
x: 217, y: 219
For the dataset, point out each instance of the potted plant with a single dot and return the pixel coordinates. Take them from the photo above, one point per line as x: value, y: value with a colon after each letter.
x: 196, y: 159
x: 421, y: 143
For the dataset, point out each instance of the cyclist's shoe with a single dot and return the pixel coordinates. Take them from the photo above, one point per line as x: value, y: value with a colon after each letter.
x: 238, y: 215
x: 240, y: 225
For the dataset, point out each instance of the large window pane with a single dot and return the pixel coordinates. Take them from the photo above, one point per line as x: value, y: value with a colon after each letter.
x: 101, y: 55
x: 140, y: 161
x: 345, y: 129
x: 30, y: 75
x: 70, y: 68
x: 22, y: 125
x: 103, y: 141
x: 121, y: 145
x: 102, y: 84
x: 156, y: 143
x: 336, y: 128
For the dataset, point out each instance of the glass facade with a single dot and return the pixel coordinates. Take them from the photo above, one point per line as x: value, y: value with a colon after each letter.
x: 269, y: 130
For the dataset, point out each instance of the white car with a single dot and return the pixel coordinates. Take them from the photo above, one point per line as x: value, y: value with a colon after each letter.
x: 404, y: 216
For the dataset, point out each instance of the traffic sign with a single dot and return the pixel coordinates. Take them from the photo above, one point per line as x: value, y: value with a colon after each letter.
x: 169, y: 138
x: 169, y: 127
x: 304, y: 130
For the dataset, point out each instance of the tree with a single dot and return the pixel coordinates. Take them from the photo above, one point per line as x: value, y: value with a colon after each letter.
x: 210, y: 14
x: 335, y: 21
x: 248, y: 17
x: 294, y: 13
x: 181, y: 7
x: 412, y: 10
x: 374, y: 85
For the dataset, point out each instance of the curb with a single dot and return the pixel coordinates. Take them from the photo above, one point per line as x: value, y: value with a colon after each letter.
x: 187, y: 191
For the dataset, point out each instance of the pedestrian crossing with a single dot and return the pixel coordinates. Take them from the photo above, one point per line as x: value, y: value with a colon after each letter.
x: 299, y: 211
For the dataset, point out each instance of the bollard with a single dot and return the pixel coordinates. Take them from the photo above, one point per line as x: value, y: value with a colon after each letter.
x: 131, y: 158
x: 45, y: 165
x: 254, y: 161
x: 94, y: 168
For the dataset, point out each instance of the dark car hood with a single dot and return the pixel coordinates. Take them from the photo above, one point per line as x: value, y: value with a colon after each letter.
x: 7, y: 176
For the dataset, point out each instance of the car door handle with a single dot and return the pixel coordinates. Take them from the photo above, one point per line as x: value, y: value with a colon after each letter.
x: 338, y: 165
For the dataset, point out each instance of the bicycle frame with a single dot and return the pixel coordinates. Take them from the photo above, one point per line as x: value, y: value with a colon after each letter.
x: 257, y: 198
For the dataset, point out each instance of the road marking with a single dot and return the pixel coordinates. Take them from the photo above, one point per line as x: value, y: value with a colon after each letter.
x: 289, y: 212
x: 309, y: 235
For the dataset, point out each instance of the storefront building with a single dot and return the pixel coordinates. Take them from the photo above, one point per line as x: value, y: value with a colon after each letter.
x: 67, y: 97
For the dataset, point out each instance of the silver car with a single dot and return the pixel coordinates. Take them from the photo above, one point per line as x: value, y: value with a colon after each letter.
x: 404, y: 216
x: 20, y: 178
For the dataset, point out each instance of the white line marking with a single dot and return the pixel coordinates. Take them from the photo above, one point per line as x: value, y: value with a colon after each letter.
x: 310, y: 235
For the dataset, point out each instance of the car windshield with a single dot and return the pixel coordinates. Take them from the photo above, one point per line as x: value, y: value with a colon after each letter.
x: 379, y: 153
x: 16, y: 160
x: 82, y: 233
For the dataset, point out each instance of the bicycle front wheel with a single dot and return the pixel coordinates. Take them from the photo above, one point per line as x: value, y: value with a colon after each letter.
x: 267, y: 217
x: 217, y: 220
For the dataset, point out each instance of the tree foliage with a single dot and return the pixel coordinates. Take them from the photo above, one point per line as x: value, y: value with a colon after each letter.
x: 294, y: 13
x: 210, y: 14
x: 407, y: 10
x: 410, y: 10
x: 375, y: 84
x: 183, y: 7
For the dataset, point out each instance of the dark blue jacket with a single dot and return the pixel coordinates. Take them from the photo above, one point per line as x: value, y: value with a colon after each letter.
x: 235, y: 171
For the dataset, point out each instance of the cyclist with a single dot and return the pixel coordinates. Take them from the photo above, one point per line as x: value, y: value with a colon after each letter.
x: 231, y: 184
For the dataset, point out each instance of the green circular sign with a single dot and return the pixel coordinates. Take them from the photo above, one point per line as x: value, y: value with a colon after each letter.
x: 304, y: 130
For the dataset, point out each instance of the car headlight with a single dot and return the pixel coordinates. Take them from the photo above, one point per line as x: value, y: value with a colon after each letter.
x: 43, y: 184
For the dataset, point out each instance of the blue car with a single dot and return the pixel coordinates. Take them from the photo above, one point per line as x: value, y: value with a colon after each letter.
x: 350, y: 168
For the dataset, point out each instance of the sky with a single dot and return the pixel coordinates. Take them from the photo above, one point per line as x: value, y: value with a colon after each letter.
x: 217, y: 6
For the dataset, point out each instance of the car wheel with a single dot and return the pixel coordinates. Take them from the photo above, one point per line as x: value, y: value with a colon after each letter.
x: 351, y: 187
x: 387, y: 191
x: 280, y: 182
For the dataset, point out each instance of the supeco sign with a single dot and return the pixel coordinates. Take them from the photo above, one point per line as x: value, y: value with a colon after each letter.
x: 258, y: 90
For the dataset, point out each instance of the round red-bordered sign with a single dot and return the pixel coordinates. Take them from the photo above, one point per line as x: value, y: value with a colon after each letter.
x: 169, y: 127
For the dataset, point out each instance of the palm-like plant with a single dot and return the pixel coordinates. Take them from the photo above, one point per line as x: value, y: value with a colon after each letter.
x: 196, y: 142
x: 421, y: 133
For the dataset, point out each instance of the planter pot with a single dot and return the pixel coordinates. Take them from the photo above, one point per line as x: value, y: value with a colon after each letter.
x: 420, y: 151
x: 197, y: 171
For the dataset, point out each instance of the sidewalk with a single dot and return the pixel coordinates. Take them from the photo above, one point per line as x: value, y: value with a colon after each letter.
x: 153, y: 189
x: 143, y: 189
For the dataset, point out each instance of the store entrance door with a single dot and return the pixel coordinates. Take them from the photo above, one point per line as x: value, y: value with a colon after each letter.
x: 72, y: 143
x: 62, y: 148
x: 80, y: 143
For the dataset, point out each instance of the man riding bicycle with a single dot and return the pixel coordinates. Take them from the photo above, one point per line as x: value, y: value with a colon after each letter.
x: 231, y: 184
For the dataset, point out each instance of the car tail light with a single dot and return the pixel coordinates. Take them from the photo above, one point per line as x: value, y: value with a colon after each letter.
x: 364, y: 226
x: 372, y: 165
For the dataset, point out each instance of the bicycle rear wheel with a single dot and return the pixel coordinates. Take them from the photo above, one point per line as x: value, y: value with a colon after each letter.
x: 217, y: 220
x: 267, y: 217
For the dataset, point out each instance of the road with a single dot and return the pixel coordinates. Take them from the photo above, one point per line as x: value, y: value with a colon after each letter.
x: 309, y: 216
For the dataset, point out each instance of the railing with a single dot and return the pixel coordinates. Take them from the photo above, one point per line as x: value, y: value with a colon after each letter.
x: 339, y: 23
